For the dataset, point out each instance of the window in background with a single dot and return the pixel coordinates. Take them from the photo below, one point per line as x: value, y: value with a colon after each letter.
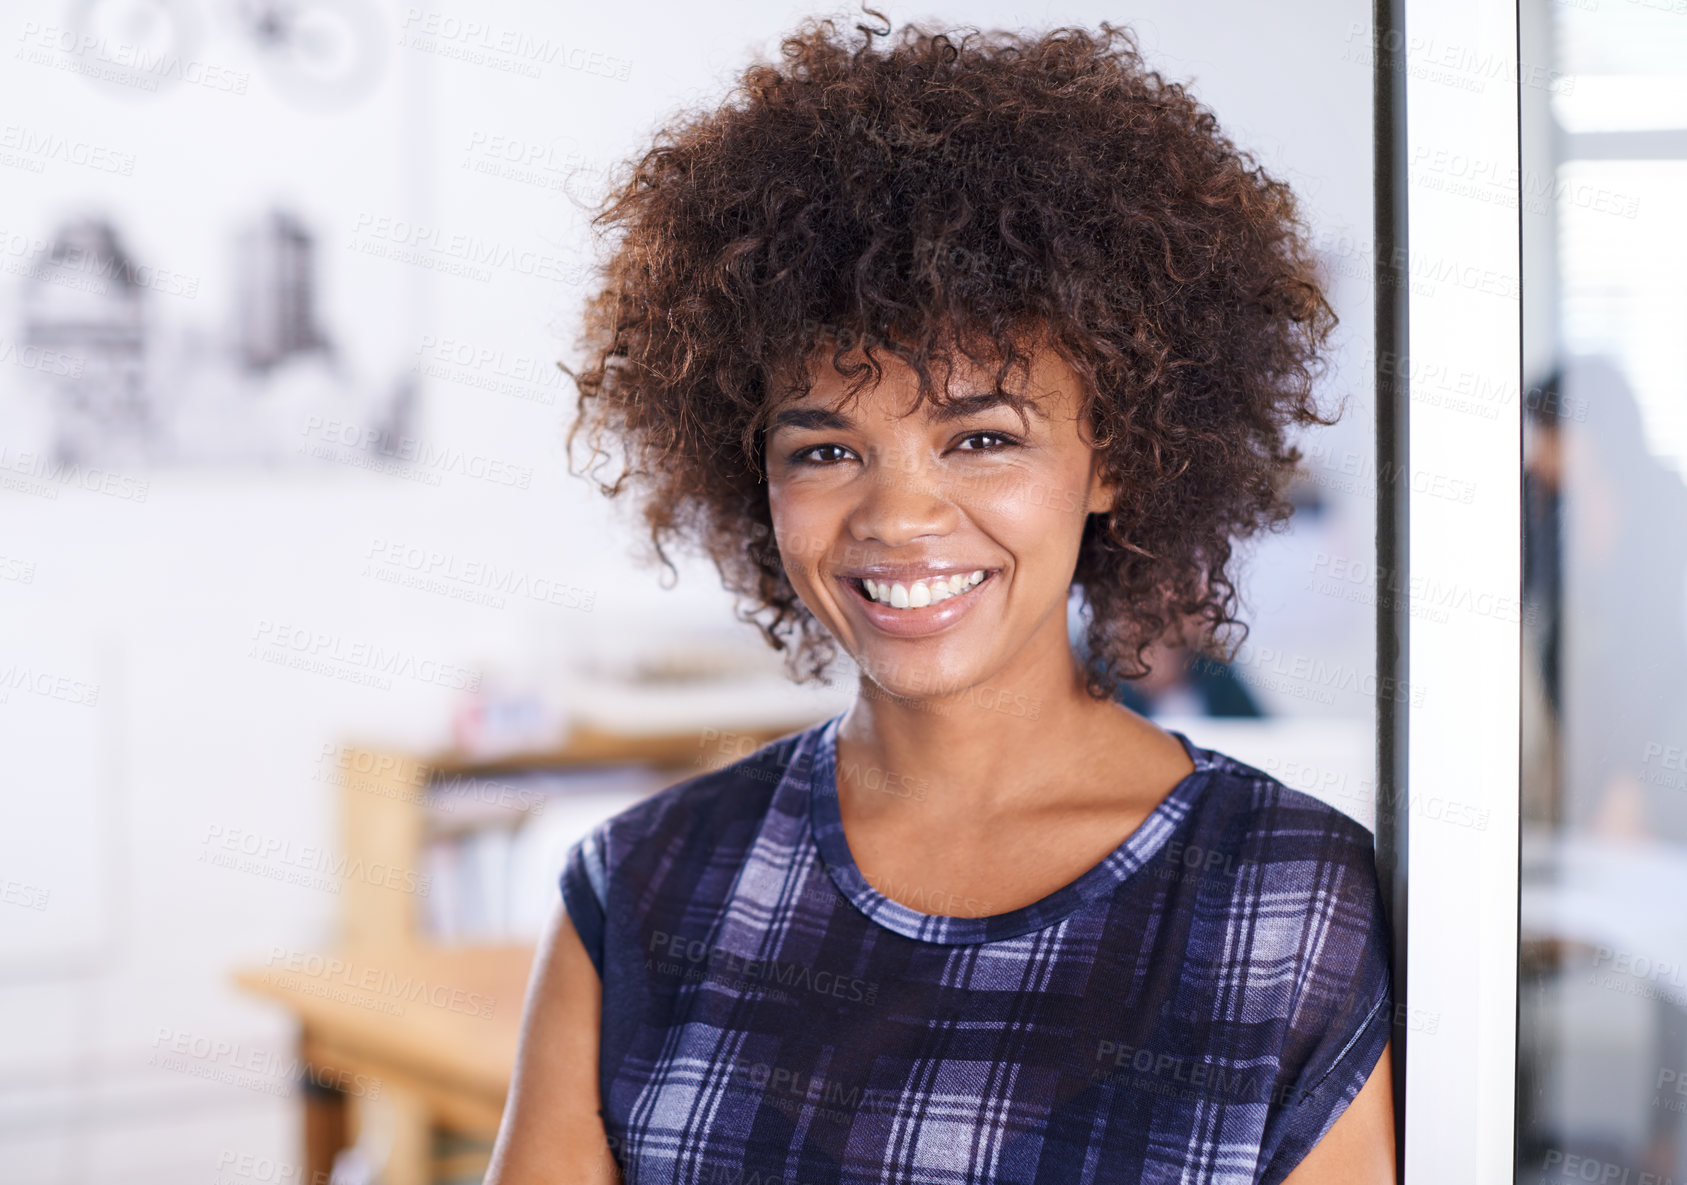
x: 1602, y: 1036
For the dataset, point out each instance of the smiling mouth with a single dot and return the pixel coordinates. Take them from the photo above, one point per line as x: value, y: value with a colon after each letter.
x: 911, y: 596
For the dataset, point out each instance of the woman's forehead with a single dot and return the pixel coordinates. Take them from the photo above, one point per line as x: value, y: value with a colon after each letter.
x: 1038, y: 375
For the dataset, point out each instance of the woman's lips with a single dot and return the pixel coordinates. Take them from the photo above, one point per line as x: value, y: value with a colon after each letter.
x: 917, y: 623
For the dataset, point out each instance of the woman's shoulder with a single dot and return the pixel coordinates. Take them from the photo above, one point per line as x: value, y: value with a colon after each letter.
x: 1280, y: 863
x: 1286, y: 895
x: 1253, y: 813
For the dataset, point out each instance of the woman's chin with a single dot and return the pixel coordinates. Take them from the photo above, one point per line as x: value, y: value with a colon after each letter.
x: 929, y: 686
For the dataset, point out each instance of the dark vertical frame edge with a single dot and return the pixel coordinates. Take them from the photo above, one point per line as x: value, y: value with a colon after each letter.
x: 1389, y: 195
x: 1517, y: 1132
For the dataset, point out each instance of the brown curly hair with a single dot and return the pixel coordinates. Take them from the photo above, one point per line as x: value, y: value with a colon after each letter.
x: 974, y: 190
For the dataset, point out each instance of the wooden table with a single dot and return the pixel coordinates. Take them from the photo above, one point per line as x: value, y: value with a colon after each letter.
x: 404, y: 1040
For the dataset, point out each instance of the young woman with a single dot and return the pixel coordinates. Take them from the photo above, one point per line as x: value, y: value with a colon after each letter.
x: 912, y: 338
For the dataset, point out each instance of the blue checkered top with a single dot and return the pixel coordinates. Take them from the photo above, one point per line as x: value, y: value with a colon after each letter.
x: 1199, y: 1007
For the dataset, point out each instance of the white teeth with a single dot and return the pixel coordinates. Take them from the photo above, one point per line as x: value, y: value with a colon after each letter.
x: 920, y: 593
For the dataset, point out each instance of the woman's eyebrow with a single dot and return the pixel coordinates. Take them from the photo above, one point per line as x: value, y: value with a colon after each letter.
x: 959, y: 408
x: 809, y: 417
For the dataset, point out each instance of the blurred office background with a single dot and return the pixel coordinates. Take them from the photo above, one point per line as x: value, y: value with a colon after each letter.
x: 314, y: 657
x: 1602, y: 1034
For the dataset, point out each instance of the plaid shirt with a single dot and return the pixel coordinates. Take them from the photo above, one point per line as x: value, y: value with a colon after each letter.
x: 1200, y: 1006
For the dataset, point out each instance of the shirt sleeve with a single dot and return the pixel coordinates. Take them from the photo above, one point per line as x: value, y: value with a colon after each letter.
x: 1340, y: 1021
x: 583, y: 893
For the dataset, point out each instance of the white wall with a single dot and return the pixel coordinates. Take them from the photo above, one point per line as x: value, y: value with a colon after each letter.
x: 158, y: 602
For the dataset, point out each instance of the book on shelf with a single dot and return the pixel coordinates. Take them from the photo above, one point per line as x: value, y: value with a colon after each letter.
x: 496, y: 843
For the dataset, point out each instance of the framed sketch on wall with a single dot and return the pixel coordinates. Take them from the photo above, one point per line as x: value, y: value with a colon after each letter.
x: 209, y: 297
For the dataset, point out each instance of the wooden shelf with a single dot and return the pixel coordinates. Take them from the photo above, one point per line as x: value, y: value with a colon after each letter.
x: 438, y: 1061
x: 383, y: 818
x: 589, y: 745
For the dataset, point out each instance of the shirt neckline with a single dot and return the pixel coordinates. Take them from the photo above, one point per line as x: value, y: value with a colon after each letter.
x: 1119, y: 865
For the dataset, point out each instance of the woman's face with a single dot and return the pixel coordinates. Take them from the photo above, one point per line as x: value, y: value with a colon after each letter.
x: 917, y: 505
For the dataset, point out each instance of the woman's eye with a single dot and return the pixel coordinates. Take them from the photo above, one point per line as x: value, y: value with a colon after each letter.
x: 805, y: 456
x: 830, y: 454
x: 1005, y: 441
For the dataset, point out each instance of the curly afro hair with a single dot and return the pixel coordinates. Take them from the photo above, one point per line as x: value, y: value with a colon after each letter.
x: 971, y: 190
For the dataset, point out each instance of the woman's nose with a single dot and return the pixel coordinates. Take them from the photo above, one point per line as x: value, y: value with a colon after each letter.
x: 904, y: 496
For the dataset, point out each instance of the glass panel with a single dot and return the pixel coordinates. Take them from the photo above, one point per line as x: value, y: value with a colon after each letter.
x: 1602, y: 1036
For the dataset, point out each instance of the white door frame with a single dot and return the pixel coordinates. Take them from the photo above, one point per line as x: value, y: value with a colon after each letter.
x: 1463, y: 507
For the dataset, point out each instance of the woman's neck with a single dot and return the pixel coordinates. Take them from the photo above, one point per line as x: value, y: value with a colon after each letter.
x: 1028, y: 736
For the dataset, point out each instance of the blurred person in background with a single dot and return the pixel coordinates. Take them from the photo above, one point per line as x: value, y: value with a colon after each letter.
x: 1180, y: 682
